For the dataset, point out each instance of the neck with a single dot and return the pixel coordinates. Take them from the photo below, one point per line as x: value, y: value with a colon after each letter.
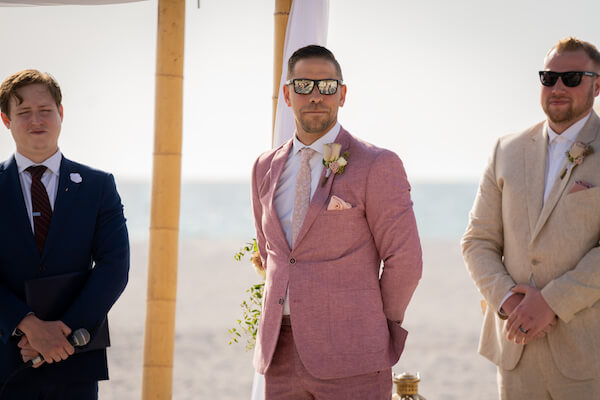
x: 38, y: 158
x: 560, y: 127
x: 309, y: 138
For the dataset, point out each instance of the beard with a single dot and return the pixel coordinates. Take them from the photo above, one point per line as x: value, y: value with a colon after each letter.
x: 317, y: 125
x: 570, y: 114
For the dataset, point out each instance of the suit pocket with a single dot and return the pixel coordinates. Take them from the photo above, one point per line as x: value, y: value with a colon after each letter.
x: 357, y: 322
x: 582, y: 211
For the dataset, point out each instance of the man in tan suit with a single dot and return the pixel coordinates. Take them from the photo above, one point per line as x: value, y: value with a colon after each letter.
x: 532, y: 244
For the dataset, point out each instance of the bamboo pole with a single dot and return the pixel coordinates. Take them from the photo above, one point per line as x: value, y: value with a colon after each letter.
x: 281, y: 14
x: 159, y: 340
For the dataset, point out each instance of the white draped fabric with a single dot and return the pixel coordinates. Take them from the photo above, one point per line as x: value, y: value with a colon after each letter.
x: 9, y: 3
x: 307, y: 24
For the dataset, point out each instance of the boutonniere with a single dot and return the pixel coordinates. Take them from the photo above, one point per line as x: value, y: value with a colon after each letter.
x: 332, y: 160
x: 575, y: 156
x: 75, y: 177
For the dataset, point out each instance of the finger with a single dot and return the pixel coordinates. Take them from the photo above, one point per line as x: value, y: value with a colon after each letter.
x: 520, y: 288
x: 70, y: 349
x: 23, y: 342
x: 64, y: 328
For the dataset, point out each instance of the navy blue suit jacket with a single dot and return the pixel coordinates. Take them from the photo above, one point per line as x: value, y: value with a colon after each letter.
x: 87, y: 232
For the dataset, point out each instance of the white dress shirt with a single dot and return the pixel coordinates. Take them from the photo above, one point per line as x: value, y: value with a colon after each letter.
x: 49, y: 179
x: 558, y: 145
x: 285, y: 192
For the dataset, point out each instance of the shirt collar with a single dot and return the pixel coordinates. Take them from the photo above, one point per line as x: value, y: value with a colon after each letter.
x: 317, y: 145
x: 52, y: 162
x: 571, y: 133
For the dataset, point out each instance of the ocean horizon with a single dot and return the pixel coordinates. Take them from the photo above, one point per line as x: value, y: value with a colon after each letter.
x: 222, y: 210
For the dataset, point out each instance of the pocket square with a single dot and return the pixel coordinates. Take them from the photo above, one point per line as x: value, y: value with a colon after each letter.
x: 580, y: 185
x: 338, y: 204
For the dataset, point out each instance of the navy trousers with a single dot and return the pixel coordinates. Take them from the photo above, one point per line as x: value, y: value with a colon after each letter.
x: 58, y: 391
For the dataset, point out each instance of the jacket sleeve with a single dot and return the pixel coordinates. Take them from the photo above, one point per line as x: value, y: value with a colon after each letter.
x: 110, y: 254
x: 392, y: 223
x: 483, y: 241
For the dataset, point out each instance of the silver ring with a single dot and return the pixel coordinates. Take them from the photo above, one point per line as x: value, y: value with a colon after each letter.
x: 523, y: 330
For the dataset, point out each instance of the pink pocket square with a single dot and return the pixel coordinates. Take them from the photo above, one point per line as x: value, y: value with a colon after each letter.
x: 580, y: 185
x: 338, y: 204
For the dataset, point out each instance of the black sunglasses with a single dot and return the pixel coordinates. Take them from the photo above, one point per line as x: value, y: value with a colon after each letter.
x: 569, y: 78
x: 306, y: 86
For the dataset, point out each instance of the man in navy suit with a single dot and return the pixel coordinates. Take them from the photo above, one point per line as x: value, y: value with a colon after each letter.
x: 57, y: 217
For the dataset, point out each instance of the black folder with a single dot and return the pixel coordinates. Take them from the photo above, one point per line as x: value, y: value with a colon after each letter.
x: 51, y: 296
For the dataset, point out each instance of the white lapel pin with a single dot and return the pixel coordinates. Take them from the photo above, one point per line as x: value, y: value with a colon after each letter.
x: 75, y: 177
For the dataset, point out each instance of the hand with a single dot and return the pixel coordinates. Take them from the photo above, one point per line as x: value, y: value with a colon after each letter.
x: 49, y: 338
x: 532, y: 314
x: 27, y: 352
x: 512, y: 302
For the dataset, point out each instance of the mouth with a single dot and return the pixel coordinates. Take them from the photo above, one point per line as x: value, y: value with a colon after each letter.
x: 37, y: 132
x: 558, y: 101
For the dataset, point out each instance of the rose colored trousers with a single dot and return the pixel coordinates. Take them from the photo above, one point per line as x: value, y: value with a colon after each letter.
x: 287, y: 379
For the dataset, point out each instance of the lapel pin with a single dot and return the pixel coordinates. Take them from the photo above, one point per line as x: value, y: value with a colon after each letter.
x: 75, y: 177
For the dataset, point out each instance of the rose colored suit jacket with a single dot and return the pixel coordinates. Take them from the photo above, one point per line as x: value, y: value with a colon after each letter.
x: 345, y: 318
x: 511, y: 237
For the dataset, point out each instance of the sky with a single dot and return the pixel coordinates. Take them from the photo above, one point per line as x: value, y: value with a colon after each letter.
x: 436, y: 81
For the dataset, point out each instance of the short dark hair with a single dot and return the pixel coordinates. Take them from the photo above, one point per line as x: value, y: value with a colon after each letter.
x: 313, y: 51
x: 27, y: 77
x: 573, y: 44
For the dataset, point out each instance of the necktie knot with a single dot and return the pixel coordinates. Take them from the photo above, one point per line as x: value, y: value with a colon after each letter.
x: 36, y: 171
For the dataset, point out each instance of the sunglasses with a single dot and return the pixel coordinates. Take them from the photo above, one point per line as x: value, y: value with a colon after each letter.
x: 306, y: 86
x: 569, y: 78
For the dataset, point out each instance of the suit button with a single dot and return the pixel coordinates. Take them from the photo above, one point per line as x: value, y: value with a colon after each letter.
x: 280, y: 301
x: 292, y: 261
x: 534, y: 262
x: 42, y: 268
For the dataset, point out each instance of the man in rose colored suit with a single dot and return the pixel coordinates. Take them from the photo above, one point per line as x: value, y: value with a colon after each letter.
x: 331, y: 326
x: 532, y: 244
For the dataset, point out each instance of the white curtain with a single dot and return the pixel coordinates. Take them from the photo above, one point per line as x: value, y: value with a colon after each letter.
x: 307, y: 24
x: 8, y: 3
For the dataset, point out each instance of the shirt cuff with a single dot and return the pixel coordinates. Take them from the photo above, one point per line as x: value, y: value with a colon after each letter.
x: 17, y: 332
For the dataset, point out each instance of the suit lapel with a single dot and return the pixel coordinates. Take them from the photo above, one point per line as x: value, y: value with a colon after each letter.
x: 322, y: 192
x: 14, y: 209
x: 65, y: 197
x: 277, y: 165
x: 535, y: 173
x: 588, y: 134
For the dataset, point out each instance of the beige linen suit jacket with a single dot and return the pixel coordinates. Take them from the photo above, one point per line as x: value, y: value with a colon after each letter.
x: 513, y: 235
x: 345, y: 317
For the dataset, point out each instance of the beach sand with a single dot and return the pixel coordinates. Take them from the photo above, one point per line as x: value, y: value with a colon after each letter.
x: 443, y: 321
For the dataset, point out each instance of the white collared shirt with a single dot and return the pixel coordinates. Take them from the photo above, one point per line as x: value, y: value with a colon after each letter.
x: 285, y: 192
x: 558, y: 145
x: 49, y: 179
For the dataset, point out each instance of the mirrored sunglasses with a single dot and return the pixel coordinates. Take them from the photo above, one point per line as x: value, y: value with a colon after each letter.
x: 569, y: 78
x: 306, y: 86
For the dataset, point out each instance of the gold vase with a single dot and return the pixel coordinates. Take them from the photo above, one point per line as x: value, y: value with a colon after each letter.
x: 407, y: 387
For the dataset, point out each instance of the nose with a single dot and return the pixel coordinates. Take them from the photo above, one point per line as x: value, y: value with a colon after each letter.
x: 315, y: 95
x: 36, y: 118
x: 559, y: 85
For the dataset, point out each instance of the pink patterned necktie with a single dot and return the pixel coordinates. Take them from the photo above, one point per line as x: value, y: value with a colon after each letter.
x: 302, y: 197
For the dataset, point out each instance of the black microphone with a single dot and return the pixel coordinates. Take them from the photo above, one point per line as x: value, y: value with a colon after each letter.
x: 78, y: 338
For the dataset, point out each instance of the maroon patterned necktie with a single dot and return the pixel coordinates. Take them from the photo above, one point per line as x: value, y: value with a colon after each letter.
x: 42, y: 212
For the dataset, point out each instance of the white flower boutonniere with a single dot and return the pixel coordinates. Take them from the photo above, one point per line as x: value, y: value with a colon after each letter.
x: 75, y: 177
x: 575, y: 156
x: 332, y: 160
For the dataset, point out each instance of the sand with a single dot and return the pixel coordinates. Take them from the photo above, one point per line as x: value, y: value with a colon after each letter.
x: 443, y: 321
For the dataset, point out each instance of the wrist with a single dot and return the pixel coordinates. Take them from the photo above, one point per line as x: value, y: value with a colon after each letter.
x: 27, y: 324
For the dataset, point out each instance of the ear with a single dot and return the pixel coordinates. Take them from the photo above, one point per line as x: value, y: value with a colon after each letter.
x: 343, y: 90
x: 596, y: 86
x: 60, y: 112
x: 286, y: 95
x: 5, y: 120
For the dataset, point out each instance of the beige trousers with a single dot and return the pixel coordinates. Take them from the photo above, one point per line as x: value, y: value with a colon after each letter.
x: 536, y: 377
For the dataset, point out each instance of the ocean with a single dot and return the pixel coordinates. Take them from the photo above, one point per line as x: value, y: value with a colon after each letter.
x: 223, y: 210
